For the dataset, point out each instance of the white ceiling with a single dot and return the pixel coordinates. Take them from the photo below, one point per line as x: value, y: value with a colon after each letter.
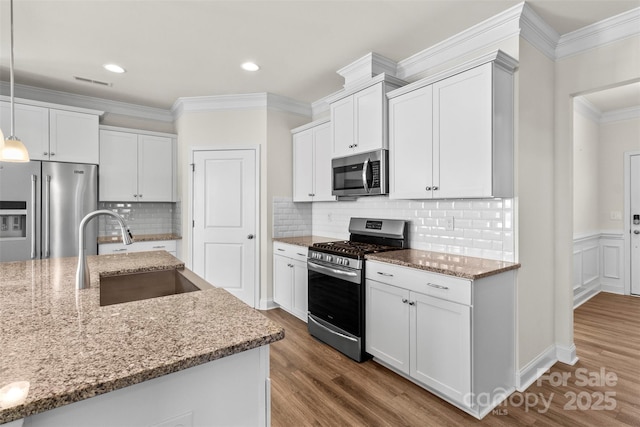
x: 183, y: 48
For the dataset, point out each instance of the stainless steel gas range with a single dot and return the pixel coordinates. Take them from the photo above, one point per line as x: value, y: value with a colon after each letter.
x: 336, y: 282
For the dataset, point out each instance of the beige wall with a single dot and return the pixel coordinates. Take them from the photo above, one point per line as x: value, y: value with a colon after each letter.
x: 615, y: 139
x: 271, y: 130
x: 534, y: 189
x: 586, y: 171
x: 586, y: 72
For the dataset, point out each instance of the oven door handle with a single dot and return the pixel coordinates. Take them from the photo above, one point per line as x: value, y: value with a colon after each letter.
x: 329, y: 330
x: 352, y: 276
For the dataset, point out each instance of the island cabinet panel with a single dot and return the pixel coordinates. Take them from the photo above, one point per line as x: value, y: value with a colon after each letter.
x: 136, y: 167
x: 453, y: 336
x: 453, y: 138
x: 228, y: 391
x: 290, y: 278
x: 312, y: 164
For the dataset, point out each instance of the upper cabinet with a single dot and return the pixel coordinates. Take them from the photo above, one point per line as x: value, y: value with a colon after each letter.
x: 55, y: 134
x: 359, y: 117
x: 312, y: 162
x: 453, y: 138
x: 136, y: 167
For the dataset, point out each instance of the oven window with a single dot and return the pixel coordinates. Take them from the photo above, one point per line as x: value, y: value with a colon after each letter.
x: 336, y: 301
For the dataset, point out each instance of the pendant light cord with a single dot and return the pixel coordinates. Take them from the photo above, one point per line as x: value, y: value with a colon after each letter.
x: 13, y: 114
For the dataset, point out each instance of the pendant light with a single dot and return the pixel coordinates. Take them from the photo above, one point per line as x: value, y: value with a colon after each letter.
x: 13, y: 150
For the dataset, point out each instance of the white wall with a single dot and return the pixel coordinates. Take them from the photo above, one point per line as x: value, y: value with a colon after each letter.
x: 586, y: 174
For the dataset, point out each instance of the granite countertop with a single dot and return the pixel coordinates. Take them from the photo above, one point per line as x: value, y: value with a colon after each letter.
x: 139, y: 238
x: 69, y: 348
x: 450, y: 264
x: 307, y: 241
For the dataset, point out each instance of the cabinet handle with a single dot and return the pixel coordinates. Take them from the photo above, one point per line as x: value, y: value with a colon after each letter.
x: 120, y: 250
x: 433, y: 285
x: 428, y: 188
x: 404, y: 300
x: 158, y: 247
x: 281, y: 250
x: 385, y: 274
x: 300, y: 254
x: 290, y: 265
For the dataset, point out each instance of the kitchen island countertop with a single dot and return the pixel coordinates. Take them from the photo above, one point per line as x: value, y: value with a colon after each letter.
x: 450, y: 264
x: 69, y: 348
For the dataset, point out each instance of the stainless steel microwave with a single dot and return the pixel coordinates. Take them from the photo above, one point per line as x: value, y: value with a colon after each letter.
x: 362, y: 174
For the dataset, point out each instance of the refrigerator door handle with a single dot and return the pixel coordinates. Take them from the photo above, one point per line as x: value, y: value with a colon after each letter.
x: 46, y: 205
x: 34, y: 180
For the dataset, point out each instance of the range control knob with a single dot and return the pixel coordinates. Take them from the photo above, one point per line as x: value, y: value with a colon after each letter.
x: 329, y: 258
x: 346, y: 262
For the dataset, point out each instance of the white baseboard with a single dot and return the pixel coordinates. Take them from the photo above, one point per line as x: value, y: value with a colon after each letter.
x: 534, y: 369
x: 566, y: 355
x: 267, y: 304
x: 585, y: 296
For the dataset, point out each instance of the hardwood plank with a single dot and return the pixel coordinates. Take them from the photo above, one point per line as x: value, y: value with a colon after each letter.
x: 315, y: 385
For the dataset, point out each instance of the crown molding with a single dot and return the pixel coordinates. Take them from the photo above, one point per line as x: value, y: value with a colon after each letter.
x: 607, y: 31
x: 499, y: 27
x: 249, y: 101
x: 590, y: 111
x: 537, y: 32
x: 89, y: 102
x: 582, y: 106
x: 366, y: 67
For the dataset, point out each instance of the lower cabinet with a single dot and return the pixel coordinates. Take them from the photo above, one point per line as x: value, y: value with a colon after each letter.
x: 152, y: 245
x: 290, y: 278
x: 454, y: 337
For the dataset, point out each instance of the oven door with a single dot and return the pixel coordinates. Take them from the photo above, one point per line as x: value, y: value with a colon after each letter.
x: 335, y: 296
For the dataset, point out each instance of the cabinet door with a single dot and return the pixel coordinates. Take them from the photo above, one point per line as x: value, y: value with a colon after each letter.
x: 342, y: 126
x: 441, y: 345
x: 369, y: 123
x: 74, y: 137
x: 322, y: 164
x: 300, y: 289
x: 282, y: 281
x: 462, y: 123
x: 155, y: 169
x: 411, y: 145
x: 303, y: 166
x: 118, y: 166
x: 31, y: 126
x: 387, y: 324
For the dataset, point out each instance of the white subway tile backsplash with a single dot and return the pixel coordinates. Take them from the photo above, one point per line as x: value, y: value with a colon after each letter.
x: 291, y: 219
x: 142, y: 218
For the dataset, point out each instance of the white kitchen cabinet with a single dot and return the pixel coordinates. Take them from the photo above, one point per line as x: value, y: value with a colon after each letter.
x: 145, y: 246
x: 359, y: 117
x: 31, y: 126
x: 453, y: 138
x: 290, y: 281
x: 54, y: 134
x: 453, y: 336
x: 312, y: 163
x: 73, y: 137
x: 136, y: 167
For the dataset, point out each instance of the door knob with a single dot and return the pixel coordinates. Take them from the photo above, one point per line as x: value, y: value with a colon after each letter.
x: 250, y: 236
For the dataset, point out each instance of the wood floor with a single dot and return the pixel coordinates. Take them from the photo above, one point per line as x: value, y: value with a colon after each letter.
x: 314, y: 385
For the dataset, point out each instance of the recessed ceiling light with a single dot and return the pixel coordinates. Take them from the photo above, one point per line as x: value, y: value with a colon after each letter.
x: 114, y: 68
x: 250, y: 66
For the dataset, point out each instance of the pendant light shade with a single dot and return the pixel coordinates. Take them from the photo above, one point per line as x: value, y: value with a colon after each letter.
x: 12, y: 149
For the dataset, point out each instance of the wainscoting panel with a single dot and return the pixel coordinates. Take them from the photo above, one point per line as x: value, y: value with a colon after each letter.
x: 612, y: 279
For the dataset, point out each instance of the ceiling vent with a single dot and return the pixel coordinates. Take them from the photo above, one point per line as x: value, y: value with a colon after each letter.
x: 95, y: 82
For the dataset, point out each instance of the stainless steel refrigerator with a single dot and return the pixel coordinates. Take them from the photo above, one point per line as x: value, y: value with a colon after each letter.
x: 41, y: 206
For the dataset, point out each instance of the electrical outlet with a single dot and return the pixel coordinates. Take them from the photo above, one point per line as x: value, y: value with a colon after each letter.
x: 450, y: 226
x: 329, y: 217
x: 615, y: 215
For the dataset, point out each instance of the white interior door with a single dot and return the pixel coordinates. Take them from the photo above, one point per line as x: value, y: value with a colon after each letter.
x: 225, y: 218
x: 635, y: 224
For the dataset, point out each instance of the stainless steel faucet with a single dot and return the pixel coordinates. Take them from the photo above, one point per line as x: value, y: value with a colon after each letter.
x: 82, y: 274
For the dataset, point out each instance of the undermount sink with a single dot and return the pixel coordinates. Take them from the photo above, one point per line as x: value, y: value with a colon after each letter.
x: 145, y: 285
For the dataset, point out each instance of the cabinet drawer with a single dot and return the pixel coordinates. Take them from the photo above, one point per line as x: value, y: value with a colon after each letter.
x: 438, y: 285
x: 155, y: 245
x: 292, y: 251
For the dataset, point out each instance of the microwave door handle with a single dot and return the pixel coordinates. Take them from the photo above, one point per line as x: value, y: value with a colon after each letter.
x: 34, y: 181
x: 365, y: 168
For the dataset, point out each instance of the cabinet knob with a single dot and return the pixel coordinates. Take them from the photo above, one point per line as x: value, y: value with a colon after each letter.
x: 135, y: 195
x: 404, y: 300
x: 53, y: 154
x: 636, y: 231
x: 140, y: 195
x: 435, y: 188
x: 310, y: 194
x: 351, y: 146
x: 428, y: 188
x: 412, y: 303
x: 46, y: 153
x: 355, y: 145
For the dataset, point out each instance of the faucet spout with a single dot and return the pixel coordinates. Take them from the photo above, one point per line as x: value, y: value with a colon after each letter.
x: 82, y: 273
